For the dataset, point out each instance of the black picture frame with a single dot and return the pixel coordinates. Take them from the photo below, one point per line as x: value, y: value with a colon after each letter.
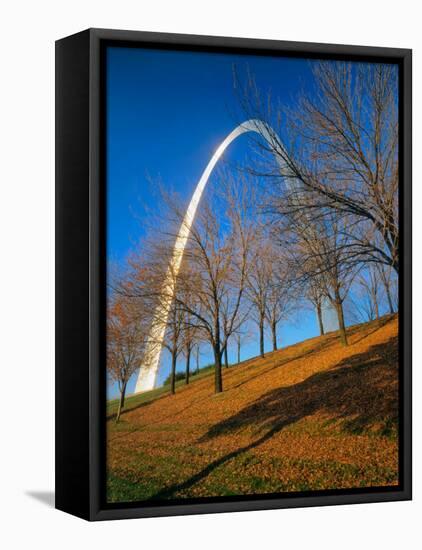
x: 80, y: 272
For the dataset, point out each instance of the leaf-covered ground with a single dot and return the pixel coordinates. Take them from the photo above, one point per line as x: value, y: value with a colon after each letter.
x: 313, y: 416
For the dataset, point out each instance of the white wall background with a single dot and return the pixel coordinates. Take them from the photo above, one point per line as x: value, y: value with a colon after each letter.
x: 28, y: 31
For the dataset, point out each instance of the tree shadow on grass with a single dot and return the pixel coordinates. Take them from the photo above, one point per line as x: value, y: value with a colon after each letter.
x: 374, y: 327
x: 362, y: 390
x: 277, y: 363
x: 362, y: 387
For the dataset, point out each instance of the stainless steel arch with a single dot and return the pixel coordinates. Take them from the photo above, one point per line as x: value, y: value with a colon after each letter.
x: 149, y: 368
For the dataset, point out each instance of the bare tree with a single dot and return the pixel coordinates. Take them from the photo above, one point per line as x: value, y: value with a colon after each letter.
x: 225, y: 326
x: 197, y: 355
x: 314, y: 291
x: 370, y: 286
x: 389, y: 281
x: 126, y: 340
x: 281, y: 298
x: 340, y: 152
x: 151, y: 282
x: 259, y: 283
x: 243, y: 334
x: 375, y: 291
x: 218, y: 256
x: 321, y: 259
x: 173, y: 339
x: 191, y: 340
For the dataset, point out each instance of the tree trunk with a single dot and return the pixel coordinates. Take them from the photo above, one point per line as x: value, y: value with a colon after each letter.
x: 238, y: 351
x: 320, y: 322
x: 389, y: 299
x: 187, y: 366
x: 340, y: 317
x: 274, y: 333
x: 121, y: 402
x: 226, y: 359
x: 218, y: 377
x: 173, y: 372
x: 261, y: 337
x: 376, y: 307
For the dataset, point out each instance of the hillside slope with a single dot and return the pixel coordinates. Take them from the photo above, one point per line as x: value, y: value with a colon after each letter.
x: 316, y: 415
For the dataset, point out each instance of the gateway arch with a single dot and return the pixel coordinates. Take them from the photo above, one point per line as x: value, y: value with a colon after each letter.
x: 149, y: 368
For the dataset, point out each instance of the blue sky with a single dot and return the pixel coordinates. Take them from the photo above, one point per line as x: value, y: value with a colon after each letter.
x: 167, y: 112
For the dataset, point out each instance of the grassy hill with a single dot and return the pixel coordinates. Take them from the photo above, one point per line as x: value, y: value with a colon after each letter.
x: 316, y: 415
x: 134, y: 401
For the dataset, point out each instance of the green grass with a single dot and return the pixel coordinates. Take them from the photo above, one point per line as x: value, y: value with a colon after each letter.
x: 241, y: 476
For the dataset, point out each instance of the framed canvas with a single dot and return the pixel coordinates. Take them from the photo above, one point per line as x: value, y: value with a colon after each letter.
x: 233, y: 274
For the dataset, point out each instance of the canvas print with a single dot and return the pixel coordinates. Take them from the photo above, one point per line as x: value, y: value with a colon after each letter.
x: 252, y: 239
